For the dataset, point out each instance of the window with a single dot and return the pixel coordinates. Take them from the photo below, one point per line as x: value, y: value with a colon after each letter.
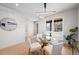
x: 48, y: 28
x: 58, y: 25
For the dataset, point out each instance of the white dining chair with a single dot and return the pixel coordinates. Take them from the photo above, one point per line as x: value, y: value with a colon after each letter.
x: 57, y: 48
x: 54, y: 49
x: 32, y: 46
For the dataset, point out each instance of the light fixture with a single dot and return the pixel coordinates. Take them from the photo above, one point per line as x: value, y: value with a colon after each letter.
x: 17, y: 4
x: 45, y: 7
x: 46, y: 12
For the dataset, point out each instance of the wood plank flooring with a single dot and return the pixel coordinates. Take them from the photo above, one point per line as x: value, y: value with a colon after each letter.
x: 21, y: 49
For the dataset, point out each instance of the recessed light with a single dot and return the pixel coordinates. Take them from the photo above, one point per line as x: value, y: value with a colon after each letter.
x: 17, y: 4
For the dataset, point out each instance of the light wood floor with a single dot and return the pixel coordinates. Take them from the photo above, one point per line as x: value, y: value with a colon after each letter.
x: 21, y: 49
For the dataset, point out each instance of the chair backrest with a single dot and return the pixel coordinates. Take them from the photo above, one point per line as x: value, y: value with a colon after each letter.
x: 38, y: 36
x: 57, y: 49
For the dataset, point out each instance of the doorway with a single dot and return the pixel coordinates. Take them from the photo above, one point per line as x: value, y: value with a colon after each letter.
x: 49, y: 29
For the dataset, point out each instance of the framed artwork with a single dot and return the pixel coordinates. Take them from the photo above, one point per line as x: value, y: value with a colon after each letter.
x: 8, y: 24
x: 58, y: 25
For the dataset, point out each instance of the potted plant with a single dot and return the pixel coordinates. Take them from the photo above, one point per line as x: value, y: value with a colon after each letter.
x: 71, y: 37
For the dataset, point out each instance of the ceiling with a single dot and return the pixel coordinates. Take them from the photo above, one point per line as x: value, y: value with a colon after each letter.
x: 35, y: 10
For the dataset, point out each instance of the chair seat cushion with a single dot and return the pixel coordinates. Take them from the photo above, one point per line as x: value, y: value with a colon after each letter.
x: 35, y: 46
x: 48, y: 49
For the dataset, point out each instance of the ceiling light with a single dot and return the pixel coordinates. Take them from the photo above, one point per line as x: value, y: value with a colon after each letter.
x: 17, y: 4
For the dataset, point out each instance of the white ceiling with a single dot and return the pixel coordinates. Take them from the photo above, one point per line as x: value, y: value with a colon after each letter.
x: 31, y: 10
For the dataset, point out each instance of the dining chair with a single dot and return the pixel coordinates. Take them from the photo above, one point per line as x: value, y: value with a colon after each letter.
x: 54, y: 49
x: 32, y: 46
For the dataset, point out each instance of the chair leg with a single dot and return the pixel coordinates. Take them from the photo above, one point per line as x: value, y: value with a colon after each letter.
x: 29, y: 50
x: 41, y: 51
x: 44, y: 52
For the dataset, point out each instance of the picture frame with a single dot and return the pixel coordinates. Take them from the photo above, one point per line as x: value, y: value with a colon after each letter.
x: 8, y: 24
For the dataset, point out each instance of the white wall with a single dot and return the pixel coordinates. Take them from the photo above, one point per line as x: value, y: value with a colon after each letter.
x: 30, y: 27
x: 41, y: 26
x: 9, y: 38
x: 69, y: 20
x: 78, y: 23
